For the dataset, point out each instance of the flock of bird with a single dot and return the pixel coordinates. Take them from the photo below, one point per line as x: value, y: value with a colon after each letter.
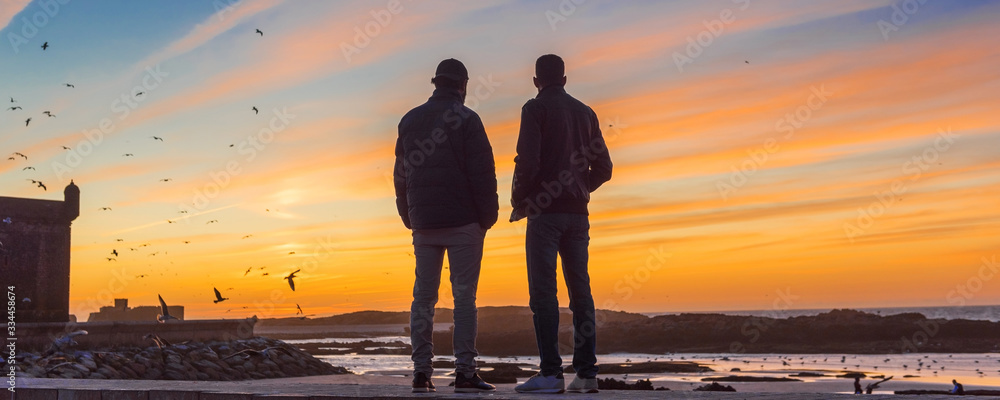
x: 15, y: 106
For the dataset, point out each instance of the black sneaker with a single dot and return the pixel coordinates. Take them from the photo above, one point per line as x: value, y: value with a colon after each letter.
x: 472, y: 384
x: 422, y: 383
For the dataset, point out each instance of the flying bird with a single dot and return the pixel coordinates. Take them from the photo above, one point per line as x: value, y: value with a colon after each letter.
x: 157, y: 138
x: 218, y: 296
x: 119, y: 240
x: 45, y: 46
x: 105, y: 209
x: 300, y: 309
x: 115, y: 252
x: 12, y: 100
x: 139, y: 94
x: 128, y: 155
x: 49, y: 113
x: 27, y: 122
x: 260, y: 32
x: 69, y: 85
x: 212, y: 221
x: 111, y: 259
x: 27, y: 168
x: 748, y: 62
x: 164, y: 314
x: 15, y: 108
x: 247, y: 236
x: 248, y: 271
x: 291, y: 283
x: 42, y: 185
x: 165, y: 180
x: 21, y: 155
x: 67, y: 340
x: 66, y: 148
x: 255, y: 111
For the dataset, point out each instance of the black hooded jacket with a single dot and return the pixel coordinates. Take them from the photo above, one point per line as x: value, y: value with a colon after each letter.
x: 444, y: 175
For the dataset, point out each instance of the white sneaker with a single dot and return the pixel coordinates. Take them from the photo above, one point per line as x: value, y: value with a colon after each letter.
x: 582, y: 385
x: 543, y: 384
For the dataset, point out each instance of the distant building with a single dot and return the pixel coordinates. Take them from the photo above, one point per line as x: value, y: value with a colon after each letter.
x: 121, y: 312
x: 34, y: 254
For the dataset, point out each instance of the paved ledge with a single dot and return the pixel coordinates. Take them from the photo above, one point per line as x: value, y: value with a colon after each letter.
x: 346, y: 387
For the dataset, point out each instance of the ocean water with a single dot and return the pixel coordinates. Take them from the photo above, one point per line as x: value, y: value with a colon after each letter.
x: 983, y: 313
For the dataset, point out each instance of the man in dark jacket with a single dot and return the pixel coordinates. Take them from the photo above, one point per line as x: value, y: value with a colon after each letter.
x: 561, y: 159
x: 446, y: 193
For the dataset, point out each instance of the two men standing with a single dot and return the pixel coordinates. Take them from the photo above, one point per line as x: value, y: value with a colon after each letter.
x: 446, y: 193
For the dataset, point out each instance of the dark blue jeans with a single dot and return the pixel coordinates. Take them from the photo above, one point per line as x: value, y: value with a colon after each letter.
x: 567, y: 235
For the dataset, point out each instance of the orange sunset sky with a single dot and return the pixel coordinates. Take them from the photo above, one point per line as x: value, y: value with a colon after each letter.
x: 768, y: 154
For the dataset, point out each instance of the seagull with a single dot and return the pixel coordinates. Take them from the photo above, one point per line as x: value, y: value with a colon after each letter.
x: 255, y: 110
x: 69, y: 85
x: 300, y: 309
x: 218, y: 296
x: 27, y: 168
x: 45, y: 46
x: 261, y: 33
x: 49, y: 113
x: 27, y: 122
x: 157, y: 138
x: 115, y: 252
x: 105, y: 209
x: 291, y: 276
x: 128, y: 155
x: 160, y: 343
x: 42, y: 185
x: 15, y: 108
x: 21, y: 155
x: 164, y: 314
x: 67, y: 339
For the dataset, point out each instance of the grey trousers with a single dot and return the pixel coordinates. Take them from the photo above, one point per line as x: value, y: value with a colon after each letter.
x: 464, y: 245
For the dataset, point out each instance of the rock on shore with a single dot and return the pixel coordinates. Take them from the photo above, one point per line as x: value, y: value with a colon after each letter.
x: 255, y: 358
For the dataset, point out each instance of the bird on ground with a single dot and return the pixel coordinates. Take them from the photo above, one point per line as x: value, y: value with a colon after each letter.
x: 45, y: 46
x: 164, y: 314
x: 27, y: 122
x: 290, y: 277
x: 260, y: 32
x: 255, y: 110
x: 218, y: 296
x: 157, y: 138
x: 69, y: 85
x: 15, y: 108
x: 27, y: 168
x: 49, y: 113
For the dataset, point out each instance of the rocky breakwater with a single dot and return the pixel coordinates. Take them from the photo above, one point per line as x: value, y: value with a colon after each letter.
x: 255, y: 358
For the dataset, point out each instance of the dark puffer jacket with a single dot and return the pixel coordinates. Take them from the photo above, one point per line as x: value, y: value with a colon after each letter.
x: 444, y: 175
x: 561, y: 156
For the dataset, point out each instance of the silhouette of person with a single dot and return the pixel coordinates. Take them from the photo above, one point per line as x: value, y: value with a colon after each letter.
x: 958, y: 389
x: 446, y: 193
x: 857, y: 385
x: 561, y: 158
